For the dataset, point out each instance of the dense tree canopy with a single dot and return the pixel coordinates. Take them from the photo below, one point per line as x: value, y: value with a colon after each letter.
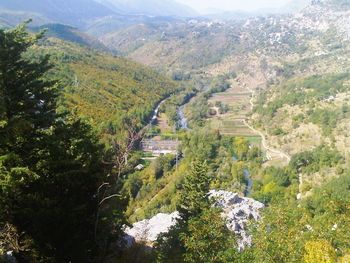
x: 50, y: 164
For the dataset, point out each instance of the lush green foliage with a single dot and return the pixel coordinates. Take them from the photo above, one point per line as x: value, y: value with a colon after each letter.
x: 156, y: 188
x: 293, y: 232
x: 193, y: 198
x: 112, y: 93
x: 328, y: 119
x: 200, y: 234
x: 208, y: 240
x: 304, y: 91
x: 274, y: 184
x: 314, y: 161
x: 50, y: 165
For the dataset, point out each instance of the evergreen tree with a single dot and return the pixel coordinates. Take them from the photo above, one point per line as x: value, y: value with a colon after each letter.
x: 201, y: 234
x: 208, y: 240
x: 195, y: 189
x: 50, y: 164
x: 28, y: 101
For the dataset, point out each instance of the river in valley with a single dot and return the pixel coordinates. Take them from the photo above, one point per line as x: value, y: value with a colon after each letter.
x: 156, y: 111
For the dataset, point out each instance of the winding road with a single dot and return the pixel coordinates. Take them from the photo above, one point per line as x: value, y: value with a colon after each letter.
x: 269, y: 150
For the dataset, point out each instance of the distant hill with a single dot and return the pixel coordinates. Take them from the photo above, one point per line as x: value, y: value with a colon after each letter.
x: 4, y: 23
x: 76, y: 12
x: 14, y: 17
x: 336, y: 3
x: 150, y: 7
x: 295, y: 5
x: 230, y: 15
x: 84, y: 13
x: 290, y: 8
x: 71, y: 34
x: 111, y: 24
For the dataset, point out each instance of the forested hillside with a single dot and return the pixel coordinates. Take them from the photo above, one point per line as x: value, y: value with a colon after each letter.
x: 107, y: 91
x: 70, y: 34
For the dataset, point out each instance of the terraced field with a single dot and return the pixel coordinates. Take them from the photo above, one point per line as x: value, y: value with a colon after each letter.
x: 232, y: 123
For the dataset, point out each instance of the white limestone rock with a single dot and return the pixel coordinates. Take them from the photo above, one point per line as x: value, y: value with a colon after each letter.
x: 149, y: 229
x: 237, y: 211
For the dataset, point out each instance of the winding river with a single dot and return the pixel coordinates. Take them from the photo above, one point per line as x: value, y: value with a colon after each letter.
x: 156, y: 111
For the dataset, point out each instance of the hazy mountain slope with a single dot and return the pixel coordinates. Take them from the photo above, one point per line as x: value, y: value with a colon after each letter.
x: 113, y: 24
x: 181, y: 44
x: 295, y: 5
x: 96, y: 17
x: 150, y: 7
x: 75, y: 12
x: 13, y: 18
x: 71, y: 34
x: 4, y: 23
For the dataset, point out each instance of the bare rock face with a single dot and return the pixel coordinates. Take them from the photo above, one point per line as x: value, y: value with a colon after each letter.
x: 236, y: 210
x: 149, y: 229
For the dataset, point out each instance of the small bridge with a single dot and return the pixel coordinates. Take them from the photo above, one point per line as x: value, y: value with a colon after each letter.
x: 158, y: 147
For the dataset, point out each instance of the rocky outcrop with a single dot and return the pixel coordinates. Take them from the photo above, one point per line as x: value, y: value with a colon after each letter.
x: 148, y: 230
x: 236, y: 210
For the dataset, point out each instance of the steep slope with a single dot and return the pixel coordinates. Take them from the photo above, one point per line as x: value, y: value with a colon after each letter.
x: 181, y: 44
x: 71, y: 34
x: 104, y: 89
x: 104, y: 26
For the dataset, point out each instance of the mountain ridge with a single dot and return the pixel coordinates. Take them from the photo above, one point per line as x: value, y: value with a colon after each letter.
x: 74, y: 13
x: 83, y: 13
x: 152, y: 7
